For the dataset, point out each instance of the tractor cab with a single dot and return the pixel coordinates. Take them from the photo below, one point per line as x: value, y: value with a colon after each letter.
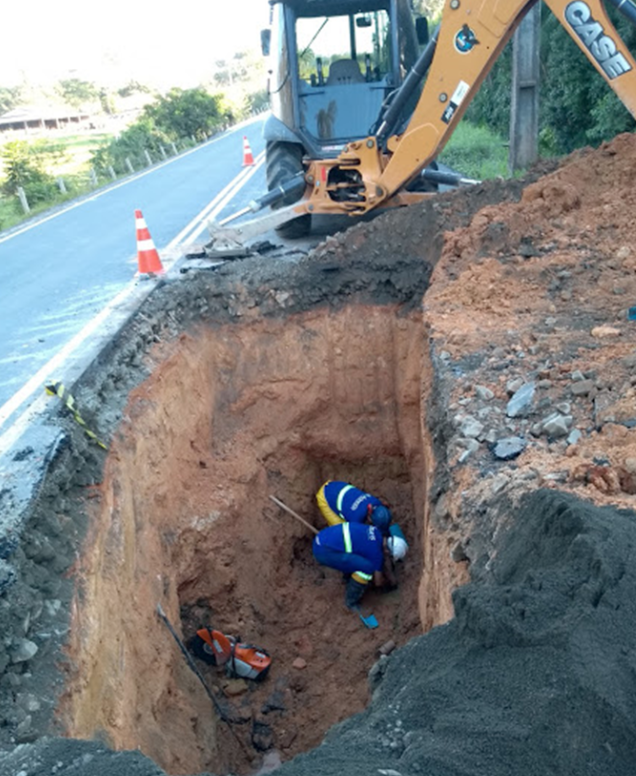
x: 332, y: 66
x: 333, y: 63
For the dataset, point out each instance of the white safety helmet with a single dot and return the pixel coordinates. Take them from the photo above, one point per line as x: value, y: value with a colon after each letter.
x: 397, y: 547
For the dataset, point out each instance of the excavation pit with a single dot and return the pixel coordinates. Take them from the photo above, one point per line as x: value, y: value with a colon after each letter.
x: 229, y: 416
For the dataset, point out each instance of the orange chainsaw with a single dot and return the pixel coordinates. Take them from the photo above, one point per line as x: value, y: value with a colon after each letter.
x: 240, y: 659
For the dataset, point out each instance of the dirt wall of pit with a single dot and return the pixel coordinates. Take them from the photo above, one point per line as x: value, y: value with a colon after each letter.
x: 229, y: 416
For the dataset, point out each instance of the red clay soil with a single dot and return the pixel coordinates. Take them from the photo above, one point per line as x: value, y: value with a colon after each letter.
x: 541, y: 290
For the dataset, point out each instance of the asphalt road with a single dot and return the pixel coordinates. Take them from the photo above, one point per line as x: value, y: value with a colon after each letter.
x: 59, y: 271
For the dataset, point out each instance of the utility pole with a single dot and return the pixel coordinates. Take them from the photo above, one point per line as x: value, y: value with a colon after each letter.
x: 524, y: 109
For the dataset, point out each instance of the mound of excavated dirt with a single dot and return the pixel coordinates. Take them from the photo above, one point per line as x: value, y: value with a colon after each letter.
x: 499, y: 423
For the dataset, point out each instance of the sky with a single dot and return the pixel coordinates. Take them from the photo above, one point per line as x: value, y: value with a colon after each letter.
x: 111, y: 43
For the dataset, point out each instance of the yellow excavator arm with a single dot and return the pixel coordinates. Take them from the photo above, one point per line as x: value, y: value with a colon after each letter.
x: 376, y: 170
x: 471, y: 36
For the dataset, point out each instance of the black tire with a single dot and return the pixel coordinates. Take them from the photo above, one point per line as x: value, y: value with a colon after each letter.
x: 283, y: 161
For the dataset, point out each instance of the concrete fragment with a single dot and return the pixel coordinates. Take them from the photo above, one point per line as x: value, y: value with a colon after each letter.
x: 574, y: 436
x: 600, y: 332
x: 499, y: 483
x: 299, y: 663
x: 482, y: 392
x: 23, y: 650
x: 442, y: 507
x: 521, y: 402
x: 470, y: 427
x: 471, y: 445
x: 583, y: 387
x: 556, y: 425
x: 603, y: 412
x: 629, y: 361
x: 377, y: 671
x: 512, y: 386
x: 387, y: 647
x: 509, y: 447
x: 560, y: 476
x: 577, y: 375
x: 271, y: 761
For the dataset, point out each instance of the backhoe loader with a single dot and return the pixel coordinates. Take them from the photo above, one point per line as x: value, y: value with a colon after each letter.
x: 416, y: 114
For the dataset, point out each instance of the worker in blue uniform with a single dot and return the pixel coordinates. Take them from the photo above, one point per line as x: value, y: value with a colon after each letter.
x: 360, y: 551
x: 341, y: 502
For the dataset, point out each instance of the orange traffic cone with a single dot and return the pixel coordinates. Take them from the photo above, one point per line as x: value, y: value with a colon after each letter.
x: 147, y: 256
x: 248, y: 159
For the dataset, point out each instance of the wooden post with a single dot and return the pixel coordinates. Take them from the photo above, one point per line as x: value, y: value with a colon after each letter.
x: 131, y: 169
x: 524, y: 109
x: 147, y: 155
x: 163, y: 152
x: 174, y: 149
x: 93, y: 176
x: 112, y: 172
x: 23, y: 199
x: 61, y: 185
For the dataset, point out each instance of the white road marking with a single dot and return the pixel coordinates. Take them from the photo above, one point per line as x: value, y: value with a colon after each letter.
x: 35, y: 383
x: 198, y: 223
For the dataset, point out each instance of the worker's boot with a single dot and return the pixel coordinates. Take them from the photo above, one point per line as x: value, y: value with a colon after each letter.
x: 354, y: 593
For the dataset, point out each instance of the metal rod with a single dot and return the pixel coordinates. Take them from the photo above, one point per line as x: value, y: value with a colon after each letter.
x: 294, y: 514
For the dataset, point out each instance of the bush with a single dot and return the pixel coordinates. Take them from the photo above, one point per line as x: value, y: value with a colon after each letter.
x: 131, y: 144
x: 577, y: 107
x: 23, y: 167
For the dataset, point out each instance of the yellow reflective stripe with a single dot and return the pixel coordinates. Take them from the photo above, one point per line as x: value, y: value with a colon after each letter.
x: 346, y: 535
x: 340, y: 497
x: 361, y: 577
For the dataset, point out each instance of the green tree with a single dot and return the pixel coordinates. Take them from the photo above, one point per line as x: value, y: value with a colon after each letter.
x: 107, y: 101
x: 76, y: 92
x: 577, y: 107
x: 9, y: 98
x: 133, y: 87
x: 182, y: 113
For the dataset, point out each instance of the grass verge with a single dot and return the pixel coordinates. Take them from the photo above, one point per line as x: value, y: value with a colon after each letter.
x: 476, y: 152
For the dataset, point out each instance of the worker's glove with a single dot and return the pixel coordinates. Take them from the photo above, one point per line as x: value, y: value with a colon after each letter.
x: 354, y: 593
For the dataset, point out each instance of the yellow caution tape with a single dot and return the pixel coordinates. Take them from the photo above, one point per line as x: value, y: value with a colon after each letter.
x: 58, y: 389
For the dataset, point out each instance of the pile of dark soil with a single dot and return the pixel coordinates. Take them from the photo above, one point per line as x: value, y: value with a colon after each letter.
x: 536, y: 673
